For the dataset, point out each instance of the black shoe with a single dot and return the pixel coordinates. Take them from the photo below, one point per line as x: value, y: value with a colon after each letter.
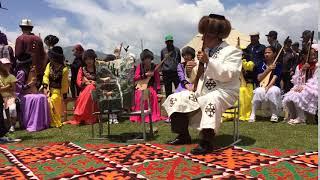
x: 202, y: 149
x: 180, y: 141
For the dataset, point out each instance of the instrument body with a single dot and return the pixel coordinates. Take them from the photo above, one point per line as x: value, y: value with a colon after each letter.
x: 266, y: 80
x: 32, y: 76
x: 143, y: 83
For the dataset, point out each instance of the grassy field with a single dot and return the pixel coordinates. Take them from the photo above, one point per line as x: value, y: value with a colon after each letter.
x: 262, y: 134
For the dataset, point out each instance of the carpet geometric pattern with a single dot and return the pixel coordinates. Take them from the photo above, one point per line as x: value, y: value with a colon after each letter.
x: 147, y: 161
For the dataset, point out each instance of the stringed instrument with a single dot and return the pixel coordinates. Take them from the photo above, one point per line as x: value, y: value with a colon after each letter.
x: 308, y: 71
x: 266, y: 80
x: 143, y: 83
x: 200, y: 68
x: 32, y: 77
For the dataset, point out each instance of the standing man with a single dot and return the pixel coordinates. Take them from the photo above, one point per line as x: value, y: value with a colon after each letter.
x: 288, y: 66
x: 169, y: 67
x: 31, y: 44
x: 254, y: 53
x: 76, y: 64
x: 272, y: 39
x: 295, y: 48
x: 296, y: 51
x: 306, y: 36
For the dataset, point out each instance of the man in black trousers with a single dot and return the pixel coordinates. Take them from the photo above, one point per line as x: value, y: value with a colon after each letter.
x: 169, y: 67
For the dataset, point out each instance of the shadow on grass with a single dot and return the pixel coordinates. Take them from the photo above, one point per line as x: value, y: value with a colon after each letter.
x: 29, y: 137
x: 125, y: 137
x: 225, y: 140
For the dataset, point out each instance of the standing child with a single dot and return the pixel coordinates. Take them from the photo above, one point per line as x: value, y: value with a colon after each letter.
x: 7, y: 89
x: 55, y: 83
x: 186, y: 71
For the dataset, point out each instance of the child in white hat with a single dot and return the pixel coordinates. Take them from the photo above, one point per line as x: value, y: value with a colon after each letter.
x: 7, y: 90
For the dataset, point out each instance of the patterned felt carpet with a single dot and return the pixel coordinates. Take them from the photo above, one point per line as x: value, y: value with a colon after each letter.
x: 147, y: 161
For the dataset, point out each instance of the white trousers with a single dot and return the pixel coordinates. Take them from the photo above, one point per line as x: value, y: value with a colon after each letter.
x: 212, y: 105
x: 270, y: 100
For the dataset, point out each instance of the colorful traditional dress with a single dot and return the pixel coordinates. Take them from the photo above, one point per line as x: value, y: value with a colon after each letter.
x: 34, y: 108
x: 305, y: 101
x: 182, y: 74
x: 83, y: 113
x: 245, y: 94
x: 153, y: 87
x: 57, y: 81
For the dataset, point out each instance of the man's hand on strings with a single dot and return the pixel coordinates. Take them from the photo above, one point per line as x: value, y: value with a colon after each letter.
x: 202, y: 57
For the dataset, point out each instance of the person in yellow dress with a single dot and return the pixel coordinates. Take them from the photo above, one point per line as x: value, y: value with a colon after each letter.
x: 246, y: 91
x: 55, y: 83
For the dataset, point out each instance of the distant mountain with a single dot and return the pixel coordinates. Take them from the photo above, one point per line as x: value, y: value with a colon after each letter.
x: 67, y: 51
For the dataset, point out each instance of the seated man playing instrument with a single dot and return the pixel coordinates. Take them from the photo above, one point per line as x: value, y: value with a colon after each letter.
x: 217, y: 88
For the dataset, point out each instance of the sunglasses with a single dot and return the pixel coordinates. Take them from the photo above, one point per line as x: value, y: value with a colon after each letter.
x: 217, y: 16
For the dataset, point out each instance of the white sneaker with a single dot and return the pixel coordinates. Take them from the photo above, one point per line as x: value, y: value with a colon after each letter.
x: 115, y: 121
x: 252, y: 118
x: 274, y: 118
x: 168, y: 120
x: 11, y: 129
x: 296, y: 121
x: 4, y: 140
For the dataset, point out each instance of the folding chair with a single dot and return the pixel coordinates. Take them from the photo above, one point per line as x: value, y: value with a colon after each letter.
x: 145, y: 94
x: 142, y: 113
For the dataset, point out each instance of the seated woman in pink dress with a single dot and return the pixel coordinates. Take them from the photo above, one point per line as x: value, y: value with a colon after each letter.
x: 86, y: 80
x: 143, y: 71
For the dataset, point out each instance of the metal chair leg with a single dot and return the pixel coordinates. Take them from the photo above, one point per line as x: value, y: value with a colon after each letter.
x: 151, y: 126
x: 144, y: 127
x: 92, y: 130
x: 108, y: 122
x: 100, y: 126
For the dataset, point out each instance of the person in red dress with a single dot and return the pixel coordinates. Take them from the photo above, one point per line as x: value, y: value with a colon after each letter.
x: 86, y: 80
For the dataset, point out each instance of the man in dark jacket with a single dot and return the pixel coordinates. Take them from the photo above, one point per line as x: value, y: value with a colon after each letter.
x: 169, y: 67
x: 272, y: 39
x: 76, y: 64
x: 288, y: 66
x: 31, y: 44
x: 255, y: 53
x: 306, y: 36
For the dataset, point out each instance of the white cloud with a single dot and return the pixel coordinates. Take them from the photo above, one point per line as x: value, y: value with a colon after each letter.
x: 103, y: 24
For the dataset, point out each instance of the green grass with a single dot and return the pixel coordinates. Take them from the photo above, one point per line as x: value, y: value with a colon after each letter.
x: 263, y: 134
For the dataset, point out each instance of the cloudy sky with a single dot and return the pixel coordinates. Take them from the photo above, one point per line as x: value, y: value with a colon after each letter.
x: 103, y: 24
